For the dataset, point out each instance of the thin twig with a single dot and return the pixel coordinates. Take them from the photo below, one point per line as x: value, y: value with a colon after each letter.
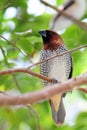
x: 80, y: 24
x: 16, y: 83
x: 6, y: 61
x: 1, y: 92
x: 36, y: 114
x: 3, y: 52
x: 69, y: 51
x: 11, y: 43
x: 46, y: 93
x: 83, y: 90
x: 5, y: 6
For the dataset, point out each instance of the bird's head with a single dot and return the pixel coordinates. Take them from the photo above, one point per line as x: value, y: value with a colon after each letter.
x: 51, y: 39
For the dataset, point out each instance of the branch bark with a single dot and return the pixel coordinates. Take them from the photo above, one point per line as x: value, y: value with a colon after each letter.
x: 34, y: 97
x: 80, y: 24
x: 25, y: 70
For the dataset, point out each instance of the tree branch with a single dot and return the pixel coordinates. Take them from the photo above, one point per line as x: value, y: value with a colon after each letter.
x: 80, y: 24
x: 25, y: 70
x: 46, y: 93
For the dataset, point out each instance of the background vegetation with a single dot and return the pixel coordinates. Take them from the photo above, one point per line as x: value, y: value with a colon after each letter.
x: 20, y: 49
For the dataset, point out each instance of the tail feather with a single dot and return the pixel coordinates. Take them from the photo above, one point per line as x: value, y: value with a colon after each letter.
x: 58, y: 116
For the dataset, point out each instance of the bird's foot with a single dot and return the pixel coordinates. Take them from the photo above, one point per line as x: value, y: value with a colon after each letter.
x: 54, y: 81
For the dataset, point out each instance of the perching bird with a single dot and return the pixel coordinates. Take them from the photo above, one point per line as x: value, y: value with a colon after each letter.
x: 59, y: 69
x: 75, y: 8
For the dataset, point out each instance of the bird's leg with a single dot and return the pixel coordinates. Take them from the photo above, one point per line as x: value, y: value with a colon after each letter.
x: 54, y: 81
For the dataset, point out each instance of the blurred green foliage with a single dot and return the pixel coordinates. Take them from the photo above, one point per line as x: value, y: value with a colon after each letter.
x: 23, y: 47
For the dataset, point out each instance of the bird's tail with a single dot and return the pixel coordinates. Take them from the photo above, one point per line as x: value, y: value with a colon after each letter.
x: 58, y: 115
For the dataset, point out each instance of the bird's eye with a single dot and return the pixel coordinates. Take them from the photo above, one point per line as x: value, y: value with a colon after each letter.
x: 50, y: 33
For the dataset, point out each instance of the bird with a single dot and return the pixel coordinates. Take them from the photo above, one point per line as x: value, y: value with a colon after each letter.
x: 75, y: 8
x: 58, y: 69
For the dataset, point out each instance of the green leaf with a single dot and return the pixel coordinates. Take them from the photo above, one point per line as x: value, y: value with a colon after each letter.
x: 81, y: 122
x: 59, y: 2
x: 12, y: 53
x: 25, y: 45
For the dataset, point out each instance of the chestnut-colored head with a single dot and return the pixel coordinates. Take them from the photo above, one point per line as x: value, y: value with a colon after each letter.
x: 51, y: 39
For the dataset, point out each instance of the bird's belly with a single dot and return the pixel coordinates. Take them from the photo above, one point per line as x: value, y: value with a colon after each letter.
x: 57, y: 69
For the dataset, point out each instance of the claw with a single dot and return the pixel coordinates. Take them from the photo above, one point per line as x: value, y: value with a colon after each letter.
x: 54, y: 81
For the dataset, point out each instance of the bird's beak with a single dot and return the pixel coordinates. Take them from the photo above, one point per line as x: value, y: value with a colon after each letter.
x: 43, y: 33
